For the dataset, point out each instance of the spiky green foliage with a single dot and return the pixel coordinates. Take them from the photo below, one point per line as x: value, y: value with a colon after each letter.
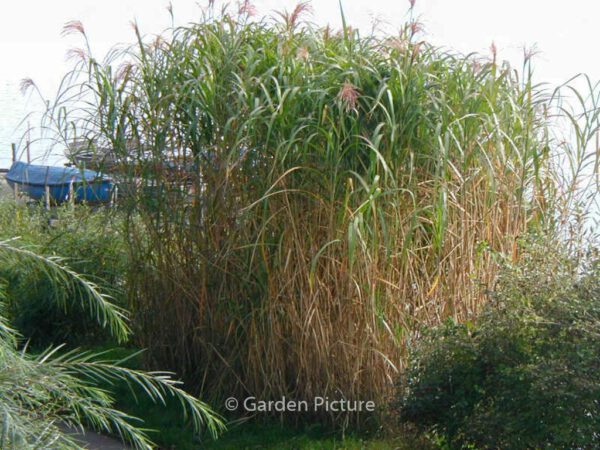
x: 90, y: 243
x: 43, y: 395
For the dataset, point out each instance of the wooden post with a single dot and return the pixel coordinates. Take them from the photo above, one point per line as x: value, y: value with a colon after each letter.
x: 71, y: 193
x: 14, y: 158
x: 27, y: 143
x: 115, y: 195
x: 47, y: 191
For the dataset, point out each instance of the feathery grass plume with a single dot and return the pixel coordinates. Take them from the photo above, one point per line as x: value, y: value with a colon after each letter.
x: 73, y: 27
x: 291, y: 20
x: 25, y: 85
x: 283, y: 245
x: 349, y: 95
x: 494, y: 52
x: 246, y: 8
x: 76, y: 54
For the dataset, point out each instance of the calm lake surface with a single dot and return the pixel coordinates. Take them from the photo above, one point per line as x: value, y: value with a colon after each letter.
x: 14, y: 121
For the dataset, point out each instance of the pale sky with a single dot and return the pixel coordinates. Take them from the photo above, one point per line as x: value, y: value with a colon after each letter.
x: 565, y: 33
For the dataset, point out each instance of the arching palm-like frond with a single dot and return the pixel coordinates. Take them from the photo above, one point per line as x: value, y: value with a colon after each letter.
x: 41, y: 394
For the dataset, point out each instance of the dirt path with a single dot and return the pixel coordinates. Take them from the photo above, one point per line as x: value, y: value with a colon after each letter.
x: 95, y: 441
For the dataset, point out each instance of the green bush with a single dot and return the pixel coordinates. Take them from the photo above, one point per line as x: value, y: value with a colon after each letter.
x: 42, y: 394
x: 526, y: 374
x: 91, y: 243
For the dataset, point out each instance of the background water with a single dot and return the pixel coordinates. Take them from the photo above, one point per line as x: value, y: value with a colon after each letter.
x: 17, y: 114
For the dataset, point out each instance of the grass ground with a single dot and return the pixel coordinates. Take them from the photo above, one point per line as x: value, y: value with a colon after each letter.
x: 278, y: 437
x: 174, y: 434
x: 5, y: 191
x: 264, y: 435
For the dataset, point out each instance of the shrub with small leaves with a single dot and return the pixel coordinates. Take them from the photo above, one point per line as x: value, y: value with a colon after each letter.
x: 526, y: 373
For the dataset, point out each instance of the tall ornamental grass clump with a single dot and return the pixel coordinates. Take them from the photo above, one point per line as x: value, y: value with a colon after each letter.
x: 301, y: 200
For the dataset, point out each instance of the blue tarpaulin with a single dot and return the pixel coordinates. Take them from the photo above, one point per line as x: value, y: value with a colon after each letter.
x: 60, y: 183
x: 23, y: 173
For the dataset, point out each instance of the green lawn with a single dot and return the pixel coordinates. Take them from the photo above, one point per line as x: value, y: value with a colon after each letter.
x: 173, y: 433
x: 252, y: 436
